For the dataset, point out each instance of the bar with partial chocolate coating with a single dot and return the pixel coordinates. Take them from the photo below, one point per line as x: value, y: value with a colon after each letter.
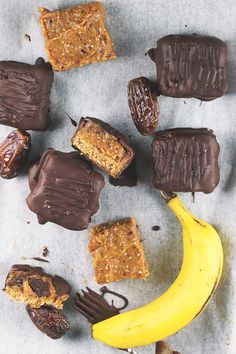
x: 103, y: 145
x: 185, y: 160
x: 191, y: 66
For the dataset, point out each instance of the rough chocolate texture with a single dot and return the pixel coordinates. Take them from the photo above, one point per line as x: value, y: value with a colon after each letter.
x: 185, y: 160
x: 49, y: 320
x: 40, y: 287
x: 14, y: 153
x: 143, y: 105
x: 24, y: 94
x: 66, y: 190
x: 191, y: 66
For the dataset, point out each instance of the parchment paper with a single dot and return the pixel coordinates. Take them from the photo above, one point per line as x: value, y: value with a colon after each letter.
x: 100, y: 91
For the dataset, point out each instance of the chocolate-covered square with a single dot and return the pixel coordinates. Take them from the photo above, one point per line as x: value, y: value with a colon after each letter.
x: 65, y: 190
x: 25, y: 94
x: 185, y: 160
x: 191, y: 66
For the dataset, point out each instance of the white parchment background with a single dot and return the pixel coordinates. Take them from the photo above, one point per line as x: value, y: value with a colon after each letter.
x: 100, y: 91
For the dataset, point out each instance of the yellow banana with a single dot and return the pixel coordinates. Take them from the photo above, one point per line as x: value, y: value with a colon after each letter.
x: 183, y: 301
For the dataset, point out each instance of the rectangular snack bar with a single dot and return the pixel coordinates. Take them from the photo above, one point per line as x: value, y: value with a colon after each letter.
x: 117, y: 251
x: 103, y: 145
x: 64, y: 190
x: 191, y: 66
x: 35, y: 288
x: 25, y: 94
x: 185, y: 160
x: 76, y: 36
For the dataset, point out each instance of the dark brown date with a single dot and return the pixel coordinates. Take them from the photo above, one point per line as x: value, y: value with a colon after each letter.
x: 14, y: 152
x: 164, y: 348
x: 49, y: 320
x: 143, y: 105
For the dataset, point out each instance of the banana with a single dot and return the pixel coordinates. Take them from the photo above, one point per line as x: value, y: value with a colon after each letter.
x: 186, y: 298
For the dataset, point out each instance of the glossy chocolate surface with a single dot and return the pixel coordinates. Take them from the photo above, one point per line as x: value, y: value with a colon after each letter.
x: 191, y: 66
x: 24, y: 94
x: 66, y: 191
x: 185, y: 160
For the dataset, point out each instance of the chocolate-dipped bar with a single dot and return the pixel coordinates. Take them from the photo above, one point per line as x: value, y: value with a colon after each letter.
x: 95, y: 308
x: 143, y: 105
x: 185, y: 160
x: 103, y: 145
x: 14, y: 153
x: 76, y: 36
x: 128, y: 178
x: 24, y: 94
x: 191, y: 66
x: 117, y: 251
x: 66, y: 190
x: 35, y: 288
x: 49, y: 320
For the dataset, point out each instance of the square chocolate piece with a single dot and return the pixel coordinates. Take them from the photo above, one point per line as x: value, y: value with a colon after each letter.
x: 76, y: 36
x: 191, y: 66
x: 185, y: 160
x: 117, y: 251
x: 103, y: 145
x: 65, y: 190
x: 25, y: 94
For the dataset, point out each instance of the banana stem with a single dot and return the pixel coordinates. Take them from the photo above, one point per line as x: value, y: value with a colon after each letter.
x: 168, y: 196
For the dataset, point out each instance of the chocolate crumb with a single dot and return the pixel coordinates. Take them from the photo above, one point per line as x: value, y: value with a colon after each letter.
x: 28, y: 222
x: 185, y: 102
x: 73, y: 122
x: 200, y: 104
x: 193, y: 197
x: 156, y: 228
x: 40, y: 259
x: 27, y: 36
x: 45, y: 251
x: 185, y: 25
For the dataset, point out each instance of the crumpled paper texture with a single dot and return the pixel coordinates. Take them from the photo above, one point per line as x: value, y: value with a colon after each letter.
x: 99, y: 90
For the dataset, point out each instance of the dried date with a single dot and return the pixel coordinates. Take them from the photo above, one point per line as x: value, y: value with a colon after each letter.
x: 14, y: 152
x: 164, y: 348
x: 143, y: 105
x: 49, y: 320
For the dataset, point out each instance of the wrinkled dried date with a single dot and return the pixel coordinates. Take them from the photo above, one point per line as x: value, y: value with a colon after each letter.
x: 143, y: 105
x: 49, y: 320
x: 164, y: 348
x: 14, y: 152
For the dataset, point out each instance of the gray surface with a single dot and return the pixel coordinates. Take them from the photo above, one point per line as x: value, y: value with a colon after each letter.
x: 100, y: 91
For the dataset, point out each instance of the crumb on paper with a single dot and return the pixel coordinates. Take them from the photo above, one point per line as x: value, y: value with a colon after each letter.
x: 45, y: 251
x: 156, y: 228
x: 39, y: 259
x: 27, y: 36
x: 73, y: 122
x: 28, y: 222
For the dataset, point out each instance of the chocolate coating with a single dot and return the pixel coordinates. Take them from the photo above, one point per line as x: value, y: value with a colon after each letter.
x: 49, y: 320
x: 67, y: 190
x: 39, y: 286
x: 24, y: 94
x: 185, y: 160
x: 128, y: 178
x: 191, y: 66
x: 61, y: 285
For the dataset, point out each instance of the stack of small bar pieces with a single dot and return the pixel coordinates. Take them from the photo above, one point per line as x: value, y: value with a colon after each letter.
x: 43, y: 295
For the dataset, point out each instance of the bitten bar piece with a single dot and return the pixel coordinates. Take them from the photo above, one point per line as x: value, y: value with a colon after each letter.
x: 65, y: 190
x: 24, y: 94
x: 117, y: 251
x: 35, y: 288
x: 76, y: 36
x: 191, y: 66
x: 185, y: 160
x: 103, y: 145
